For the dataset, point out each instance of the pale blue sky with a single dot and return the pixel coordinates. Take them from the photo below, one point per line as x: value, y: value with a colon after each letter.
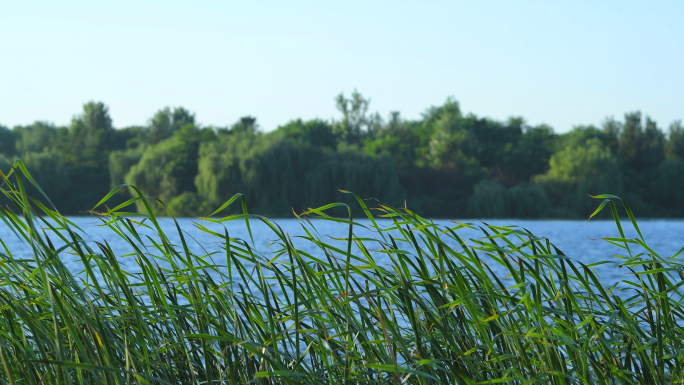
x: 557, y: 62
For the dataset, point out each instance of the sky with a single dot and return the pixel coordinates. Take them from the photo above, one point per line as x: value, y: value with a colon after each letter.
x: 561, y: 63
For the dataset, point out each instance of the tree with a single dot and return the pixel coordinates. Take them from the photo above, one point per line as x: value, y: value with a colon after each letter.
x: 165, y: 122
x: 34, y: 138
x: 525, y: 157
x: 653, y: 149
x: 581, y: 169
x: 675, y: 142
x: 668, y: 188
x: 452, y: 147
x: 8, y: 138
x: 90, y: 132
x: 399, y: 139
x: 641, y: 148
x: 120, y: 163
x: 612, y: 129
x: 446, y: 164
x: 317, y: 133
x: 591, y: 160
x: 450, y: 107
x: 355, y: 123
x: 246, y: 125
x: 490, y: 200
x: 168, y: 168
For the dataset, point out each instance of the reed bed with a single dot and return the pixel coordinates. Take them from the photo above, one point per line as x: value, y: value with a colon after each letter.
x: 435, y: 314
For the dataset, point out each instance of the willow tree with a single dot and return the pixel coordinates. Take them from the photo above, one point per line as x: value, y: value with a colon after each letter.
x: 277, y: 175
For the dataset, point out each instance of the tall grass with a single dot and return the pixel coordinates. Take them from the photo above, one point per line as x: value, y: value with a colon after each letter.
x: 436, y: 314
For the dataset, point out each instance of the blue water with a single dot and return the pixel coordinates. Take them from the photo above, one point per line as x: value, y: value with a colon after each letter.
x: 580, y: 240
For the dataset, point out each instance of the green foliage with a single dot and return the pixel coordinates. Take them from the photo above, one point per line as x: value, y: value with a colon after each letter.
x: 451, y: 146
x: 493, y: 200
x: 368, y: 177
x: 168, y: 168
x: 584, y: 161
x: 8, y: 139
x: 220, y: 166
x: 641, y: 147
x: 445, y: 164
x: 521, y: 157
x: 188, y: 204
x: 530, y: 200
x: 246, y: 125
x: 120, y: 164
x: 318, y: 311
x: 400, y: 139
x: 91, y: 131
x: 355, y: 123
x: 34, y: 138
x: 279, y: 175
x: 668, y: 185
x: 582, y: 168
x: 490, y: 200
x: 675, y: 146
x: 165, y: 123
x: 49, y: 171
x: 315, y: 133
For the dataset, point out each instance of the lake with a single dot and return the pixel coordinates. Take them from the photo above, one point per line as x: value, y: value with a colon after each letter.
x: 580, y: 240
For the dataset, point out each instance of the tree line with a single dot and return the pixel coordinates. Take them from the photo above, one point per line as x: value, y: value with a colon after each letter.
x: 445, y: 164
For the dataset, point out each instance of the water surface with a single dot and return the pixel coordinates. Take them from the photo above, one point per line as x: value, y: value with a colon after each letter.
x: 580, y: 240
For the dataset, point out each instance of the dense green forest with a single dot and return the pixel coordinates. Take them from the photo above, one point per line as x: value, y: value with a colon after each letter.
x: 446, y: 164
